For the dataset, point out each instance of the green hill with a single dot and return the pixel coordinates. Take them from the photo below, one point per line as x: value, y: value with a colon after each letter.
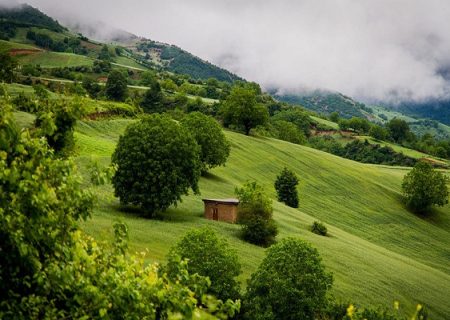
x: 378, y: 251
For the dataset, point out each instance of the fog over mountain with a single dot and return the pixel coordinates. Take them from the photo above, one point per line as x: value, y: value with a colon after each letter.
x: 390, y: 50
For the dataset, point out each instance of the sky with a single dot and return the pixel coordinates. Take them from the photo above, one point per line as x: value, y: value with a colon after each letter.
x: 373, y: 50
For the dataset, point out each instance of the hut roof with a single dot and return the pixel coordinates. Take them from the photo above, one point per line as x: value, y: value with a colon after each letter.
x: 223, y: 201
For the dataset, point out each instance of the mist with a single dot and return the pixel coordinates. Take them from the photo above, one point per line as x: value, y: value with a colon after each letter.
x: 384, y: 50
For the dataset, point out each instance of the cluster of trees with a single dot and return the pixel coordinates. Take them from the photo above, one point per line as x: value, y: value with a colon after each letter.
x: 8, y: 67
x: 158, y: 160
x: 362, y: 151
x: 43, y: 40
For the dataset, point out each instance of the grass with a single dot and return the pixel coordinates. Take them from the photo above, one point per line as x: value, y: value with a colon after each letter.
x: 129, y: 63
x: 48, y: 59
x: 377, y: 250
x: 331, y: 124
x: 8, y: 45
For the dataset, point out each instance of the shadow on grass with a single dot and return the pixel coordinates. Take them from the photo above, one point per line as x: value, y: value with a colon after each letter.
x: 212, y: 177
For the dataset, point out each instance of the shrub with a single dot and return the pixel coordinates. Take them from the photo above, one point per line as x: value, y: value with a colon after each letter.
x: 423, y: 187
x: 157, y: 162
x: 290, y: 283
x: 288, y: 131
x: 209, y: 256
x: 214, y: 147
x: 255, y: 215
x: 286, y: 187
x: 319, y: 228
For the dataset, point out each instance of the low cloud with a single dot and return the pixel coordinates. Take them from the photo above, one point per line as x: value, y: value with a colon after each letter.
x: 384, y: 50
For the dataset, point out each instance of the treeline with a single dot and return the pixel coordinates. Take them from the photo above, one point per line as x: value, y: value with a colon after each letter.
x: 43, y: 40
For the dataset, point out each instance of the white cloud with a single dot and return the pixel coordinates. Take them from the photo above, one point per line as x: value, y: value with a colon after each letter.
x: 371, y: 49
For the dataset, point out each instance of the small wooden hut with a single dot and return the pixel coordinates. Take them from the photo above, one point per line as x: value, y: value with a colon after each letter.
x: 221, y: 209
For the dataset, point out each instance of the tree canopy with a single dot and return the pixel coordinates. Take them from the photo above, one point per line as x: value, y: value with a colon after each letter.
x: 157, y: 161
x: 214, y: 147
x: 423, y: 187
x: 212, y: 257
x: 290, y: 283
x: 286, y: 187
x: 242, y: 110
x: 116, y: 86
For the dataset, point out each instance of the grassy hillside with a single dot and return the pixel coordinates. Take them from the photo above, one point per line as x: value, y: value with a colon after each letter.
x: 377, y: 250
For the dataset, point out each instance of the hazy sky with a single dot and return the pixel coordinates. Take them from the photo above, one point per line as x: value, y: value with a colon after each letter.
x: 378, y: 49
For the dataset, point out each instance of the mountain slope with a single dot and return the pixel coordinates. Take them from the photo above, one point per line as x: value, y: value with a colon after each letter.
x: 378, y: 251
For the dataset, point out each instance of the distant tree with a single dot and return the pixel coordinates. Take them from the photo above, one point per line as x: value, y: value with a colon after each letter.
x: 153, y: 101
x: 288, y: 131
x: 7, y: 67
x: 214, y: 147
x: 169, y: 85
x: 334, y: 116
x: 209, y: 256
x: 91, y: 86
x: 424, y: 187
x: 116, y: 86
x: 157, y: 162
x: 242, y: 110
x: 359, y: 125
x: 104, y: 54
x: 290, y: 283
x: 286, y: 187
x: 398, y: 129
x: 147, y: 78
x: 296, y: 116
x: 378, y: 132
x: 255, y: 215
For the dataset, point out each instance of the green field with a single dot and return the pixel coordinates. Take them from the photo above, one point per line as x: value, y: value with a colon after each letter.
x: 48, y: 59
x: 331, y: 124
x: 378, y: 251
x: 8, y: 45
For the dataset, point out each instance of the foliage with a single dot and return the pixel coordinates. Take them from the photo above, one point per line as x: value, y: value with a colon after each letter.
x: 91, y: 86
x: 242, y: 110
x: 116, y: 86
x: 286, y: 187
x: 423, y: 187
x: 290, y: 283
x: 56, y: 121
x: 214, y: 147
x: 7, y: 67
x: 319, y: 228
x: 153, y: 101
x: 157, y: 162
x: 334, y: 116
x: 208, y: 256
x: 359, y: 125
x: 362, y: 151
x: 288, y: 131
x: 25, y: 14
x: 398, y: 130
x: 296, y: 116
x: 378, y: 132
x: 255, y: 215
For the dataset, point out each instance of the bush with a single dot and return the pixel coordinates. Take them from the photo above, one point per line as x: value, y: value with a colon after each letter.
x: 286, y: 187
x: 209, y: 256
x: 255, y: 215
x: 214, y: 147
x: 424, y: 187
x: 157, y: 162
x: 319, y: 228
x: 290, y: 283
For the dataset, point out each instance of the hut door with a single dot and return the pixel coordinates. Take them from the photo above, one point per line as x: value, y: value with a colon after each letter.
x: 215, y: 214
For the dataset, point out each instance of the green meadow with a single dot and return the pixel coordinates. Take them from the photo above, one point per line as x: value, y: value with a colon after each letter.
x: 378, y: 251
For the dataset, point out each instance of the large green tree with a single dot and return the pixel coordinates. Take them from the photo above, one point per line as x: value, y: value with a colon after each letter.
x: 242, y: 110
x: 209, y: 256
x: 214, y: 146
x: 116, y: 86
x: 157, y: 162
x: 424, y: 187
x: 290, y: 283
